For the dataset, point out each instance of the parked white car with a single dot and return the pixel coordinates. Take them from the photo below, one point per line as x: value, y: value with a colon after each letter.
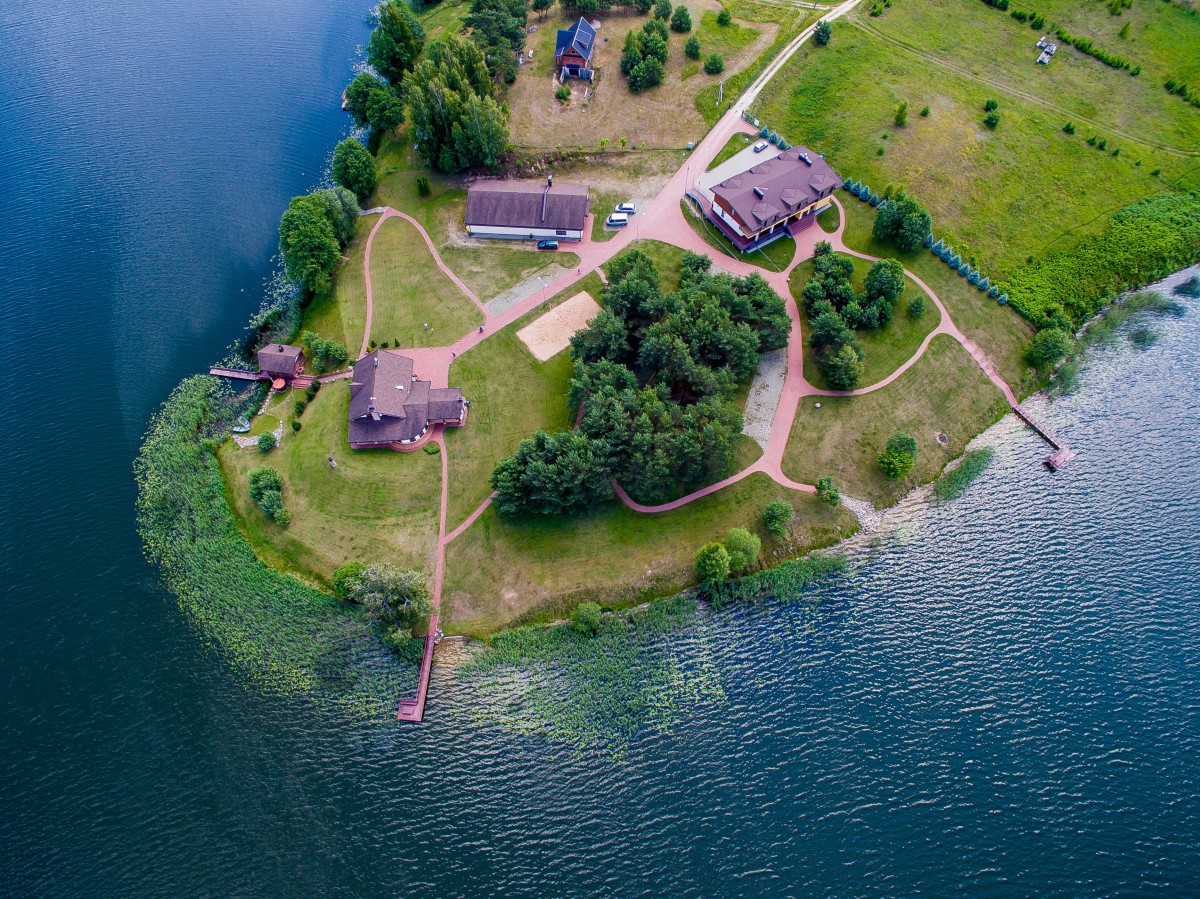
x: 617, y: 220
x: 627, y: 208
x: 760, y: 146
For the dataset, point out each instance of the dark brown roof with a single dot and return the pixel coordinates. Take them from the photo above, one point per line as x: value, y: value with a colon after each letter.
x: 279, y: 357
x: 527, y: 204
x: 388, y: 406
x: 786, y: 183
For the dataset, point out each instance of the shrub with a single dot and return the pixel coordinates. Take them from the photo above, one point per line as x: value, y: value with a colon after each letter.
x: 681, y: 20
x: 282, y: 517
x: 743, y: 548
x: 296, y: 425
x: 924, y: 112
x: 586, y: 619
x: 299, y: 408
x: 712, y: 563
x: 1049, y: 347
x: 991, y: 105
x: 822, y: 33
x: 691, y: 49
x: 714, y: 64
x: 899, y: 456
x: 266, y: 442
x: 776, y: 517
x: 563, y: 94
x: 900, y: 114
x: 724, y: 19
x: 902, y: 222
x: 662, y: 9
x: 916, y: 306
x: 992, y: 120
x: 423, y: 186
x: 1069, y: 128
x: 343, y: 575
x: 827, y: 491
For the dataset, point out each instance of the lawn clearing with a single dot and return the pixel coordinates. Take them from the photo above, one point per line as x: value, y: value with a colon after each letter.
x: 999, y: 195
x: 551, y: 333
x: 665, y: 116
x: 410, y: 292
x: 884, y: 349
x: 376, y: 506
x: 945, y: 391
x: 612, y: 555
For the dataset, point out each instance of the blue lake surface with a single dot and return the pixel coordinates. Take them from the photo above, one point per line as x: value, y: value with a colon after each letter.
x: 1002, y: 699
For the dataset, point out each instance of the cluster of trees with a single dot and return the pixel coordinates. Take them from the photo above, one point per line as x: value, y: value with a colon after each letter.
x: 903, y: 222
x: 898, y: 456
x: 312, y: 233
x: 654, y: 376
x: 644, y: 55
x: 591, y: 7
x: 266, y: 489
x: 1085, y: 45
x: 324, y: 352
x: 354, y: 168
x: 301, y: 404
x: 835, y: 311
x: 498, y: 27
x: 456, y: 121
x: 1180, y: 88
x: 991, y: 109
x: 375, y: 105
x: 716, y: 561
x: 391, y: 595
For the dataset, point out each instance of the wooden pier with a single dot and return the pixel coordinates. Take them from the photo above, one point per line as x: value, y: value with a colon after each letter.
x: 414, y: 709
x: 236, y: 373
x: 1062, y: 454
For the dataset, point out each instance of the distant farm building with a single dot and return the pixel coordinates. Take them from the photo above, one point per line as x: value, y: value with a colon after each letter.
x: 280, y: 360
x: 391, y: 407
x: 527, y: 210
x: 770, y: 197
x: 573, y: 50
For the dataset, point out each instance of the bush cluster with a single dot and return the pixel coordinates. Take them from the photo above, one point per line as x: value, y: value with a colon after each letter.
x: 1180, y: 89
x: 1086, y: 45
x: 716, y: 561
x: 644, y: 55
x: 903, y: 222
x: 266, y: 489
x: 898, y: 456
x: 325, y: 353
x: 776, y: 517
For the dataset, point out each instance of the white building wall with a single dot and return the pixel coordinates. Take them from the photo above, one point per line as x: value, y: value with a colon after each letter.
x: 523, y: 233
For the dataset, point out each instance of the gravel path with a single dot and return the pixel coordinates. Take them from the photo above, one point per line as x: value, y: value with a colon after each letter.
x: 764, y: 396
x: 502, y: 302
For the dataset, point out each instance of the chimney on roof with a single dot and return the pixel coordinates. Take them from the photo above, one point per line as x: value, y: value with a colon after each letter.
x: 546, y: 196
x: 376, y: 360
x: 758, y: 192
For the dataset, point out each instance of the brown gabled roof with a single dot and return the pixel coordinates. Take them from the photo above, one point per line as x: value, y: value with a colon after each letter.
x: 527, y: 204
x: 279, y: 357
x: 388, y: 406
x: 788, y: 182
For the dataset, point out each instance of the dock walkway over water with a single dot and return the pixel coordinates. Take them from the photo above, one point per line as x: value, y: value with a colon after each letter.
x: 1062, y: 453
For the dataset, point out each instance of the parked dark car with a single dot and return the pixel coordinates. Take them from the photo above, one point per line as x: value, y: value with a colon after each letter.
x: 547, y: 244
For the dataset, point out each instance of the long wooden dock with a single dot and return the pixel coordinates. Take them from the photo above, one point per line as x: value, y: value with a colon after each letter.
x: 414, y: 709
x: 236, y: 373
x: 1062, y: 453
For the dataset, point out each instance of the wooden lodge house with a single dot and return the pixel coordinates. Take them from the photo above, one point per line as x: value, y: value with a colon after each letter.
x: 527, y: 210
x: 390, y: 407
x: 573, y: 50
x: 772, y: 197
x: 280, y: 360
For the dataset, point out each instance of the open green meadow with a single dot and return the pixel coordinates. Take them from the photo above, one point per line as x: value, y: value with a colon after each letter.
x: 944, y: 392
x: 998, y: 195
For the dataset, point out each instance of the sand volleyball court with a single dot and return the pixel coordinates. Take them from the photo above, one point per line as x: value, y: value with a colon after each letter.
x: 551, y: 333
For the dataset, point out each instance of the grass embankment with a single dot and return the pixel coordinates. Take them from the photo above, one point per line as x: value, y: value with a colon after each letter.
x: 774, y: 256
x: 943, y: 392
x: 884, y: 349
x: 998, y: 330
x: 376, y: 506
x: 409, y: 291
x: 999, y: 195
x: 281, y: 633
x: 612, y: 555
x: 664, y: 116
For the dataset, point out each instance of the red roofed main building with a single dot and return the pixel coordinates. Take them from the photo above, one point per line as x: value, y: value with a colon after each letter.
x: 757, y: 206
x: 391, y: 407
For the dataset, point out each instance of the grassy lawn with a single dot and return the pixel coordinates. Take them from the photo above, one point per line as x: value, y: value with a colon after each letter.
x: 512, y: 395
x: 830, y: 220
x: 665, y: 116
x: 945, y: 391
x: 884, y: 349
x: 1000, y: 195
x: 378, y: 505
x: 1000, y: 331
x: 668, y: 258
x: 775, y: 256
x: 612, y: 555
x: 733, y: 146
x: 410, y: 290
x: 341, y: 314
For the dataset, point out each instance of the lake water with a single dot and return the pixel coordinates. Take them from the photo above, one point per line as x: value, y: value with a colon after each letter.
x: 1003, y: 698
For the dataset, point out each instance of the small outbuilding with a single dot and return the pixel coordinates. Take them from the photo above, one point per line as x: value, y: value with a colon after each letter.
x: 573, y: 49
x: 281, y: 360
x: 527, y: 210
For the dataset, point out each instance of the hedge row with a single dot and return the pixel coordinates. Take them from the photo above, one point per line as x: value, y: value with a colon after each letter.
x: 1085, y: 45
x: 1141, y: 244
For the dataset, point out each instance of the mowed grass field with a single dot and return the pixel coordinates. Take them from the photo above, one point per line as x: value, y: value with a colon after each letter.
x: 342, y: 313
x: 664, y: 116
x: 376, y: 506
x: 1001, y: 195
x: 999, y: 330
x: 945, y: 391
x: 499, y: 572
x: 409, y: 291
x: 884, y: 349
